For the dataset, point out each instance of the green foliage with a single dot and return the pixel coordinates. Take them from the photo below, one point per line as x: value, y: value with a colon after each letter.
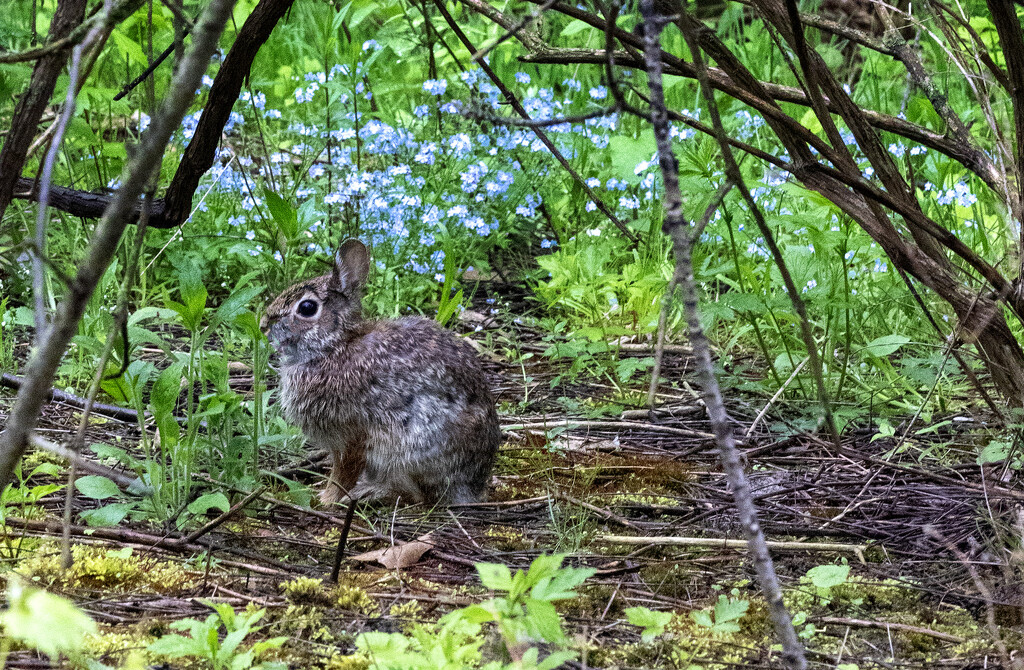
x: 653, y: 623
x: 43, y: 621
x: 451, y: 297
x: 724, y: 618
x: 220, y: 652
x: 524, y: 615
x: 25, y: 492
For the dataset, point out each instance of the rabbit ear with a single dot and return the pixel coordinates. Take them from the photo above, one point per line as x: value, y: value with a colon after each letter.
x: 351, y: 265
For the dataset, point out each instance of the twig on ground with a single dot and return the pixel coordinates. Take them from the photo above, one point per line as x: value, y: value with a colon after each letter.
x: 608, y: 425
x: 603, y: 513
x: 113, y: 411
x: 726, y: 543
x: 885, y: 625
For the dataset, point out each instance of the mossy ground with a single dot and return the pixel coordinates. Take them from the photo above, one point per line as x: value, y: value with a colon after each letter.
x: 562, y: 491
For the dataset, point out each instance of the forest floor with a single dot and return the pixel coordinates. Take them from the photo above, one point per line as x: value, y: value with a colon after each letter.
x: 929, y: 584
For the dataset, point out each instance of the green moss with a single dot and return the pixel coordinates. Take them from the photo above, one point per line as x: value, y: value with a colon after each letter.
x: 506, y: 538
x: 353, y: 662
x: 354, y: 599
x: 306, y: 591
x: 110, y: 570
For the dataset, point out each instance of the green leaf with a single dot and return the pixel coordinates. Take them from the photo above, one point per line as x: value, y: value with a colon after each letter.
x: 206, y: 502
x: 575, y: 27
x: 885, y: 345
x: 96, y: 487
x: 652, y: 622
x: 543, y: 620
x: 727, y: 609
x: 495, y: 576
x: 193, y: 295
x: 282, y: 213
x: 477, y: 614
x: 43, y: 621
x: 164, y: 395
x: 108, y: 515
x: 994, y: 452
x: 175, y: 646
x: 627, y: 152
x: 702, y: 618
x: 827, y: 576
x: 236, y: 303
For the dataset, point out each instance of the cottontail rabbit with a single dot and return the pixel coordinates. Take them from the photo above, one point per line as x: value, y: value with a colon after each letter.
x: 402, y: 405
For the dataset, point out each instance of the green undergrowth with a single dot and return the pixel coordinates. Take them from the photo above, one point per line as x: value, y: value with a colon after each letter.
x: 520, y: 619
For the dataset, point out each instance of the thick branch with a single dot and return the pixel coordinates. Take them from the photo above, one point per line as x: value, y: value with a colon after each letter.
x: 201, y: 151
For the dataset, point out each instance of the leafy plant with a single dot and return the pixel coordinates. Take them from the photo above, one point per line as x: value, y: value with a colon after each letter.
x: 524, y: 615
x: 51, y: 624
x: 724, y: 618
x: 222, y: 653
x: 526, y: 612
x: 652, y: 622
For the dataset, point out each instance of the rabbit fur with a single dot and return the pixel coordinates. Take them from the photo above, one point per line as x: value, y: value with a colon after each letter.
x: 402, y: 405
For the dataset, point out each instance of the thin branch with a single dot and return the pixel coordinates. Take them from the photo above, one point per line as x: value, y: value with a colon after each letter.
x: 130, y: 86
x: 670, y: 292
x: 203, y: 530
x: 480, y: 114
x: 732, y: 170
x: 34, y: 100
x: 728, y: 543
x: 675, y: 225
x: 511, y: 32
x: 510, y: 97
x: 46, y: 178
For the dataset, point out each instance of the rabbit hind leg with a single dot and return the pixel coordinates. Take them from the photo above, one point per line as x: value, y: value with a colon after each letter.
x: 348, y: 464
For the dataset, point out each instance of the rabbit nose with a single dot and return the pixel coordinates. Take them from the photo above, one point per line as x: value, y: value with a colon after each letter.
x: 265, y: 323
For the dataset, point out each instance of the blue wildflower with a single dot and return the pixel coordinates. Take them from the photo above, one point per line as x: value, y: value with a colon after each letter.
x: 435, y: 86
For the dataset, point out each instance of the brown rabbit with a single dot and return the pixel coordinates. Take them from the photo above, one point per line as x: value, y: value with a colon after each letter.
x: 402, y: 405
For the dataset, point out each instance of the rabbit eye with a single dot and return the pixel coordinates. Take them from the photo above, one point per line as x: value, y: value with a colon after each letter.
x: 307, y: 308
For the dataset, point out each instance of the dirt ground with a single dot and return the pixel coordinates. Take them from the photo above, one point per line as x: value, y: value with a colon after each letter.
x: 933, y: 579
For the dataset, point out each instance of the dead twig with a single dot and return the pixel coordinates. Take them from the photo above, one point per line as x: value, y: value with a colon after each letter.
x: 675, y: 225
x: 885, y: 625
x: 726, y: 543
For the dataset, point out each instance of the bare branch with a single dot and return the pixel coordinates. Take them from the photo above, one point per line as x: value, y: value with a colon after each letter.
x: 675, y: 225
x: 482, y: 7
x: 35, y: 99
